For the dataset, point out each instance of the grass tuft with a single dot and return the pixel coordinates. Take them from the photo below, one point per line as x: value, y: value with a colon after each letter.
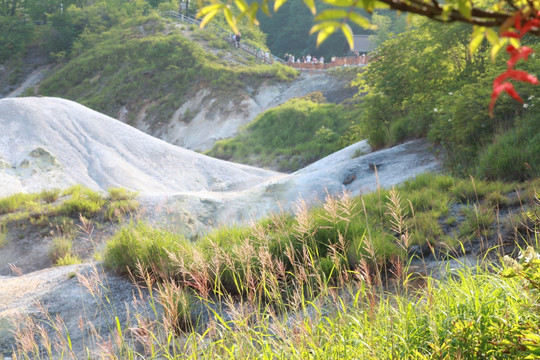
x: 60, y: 248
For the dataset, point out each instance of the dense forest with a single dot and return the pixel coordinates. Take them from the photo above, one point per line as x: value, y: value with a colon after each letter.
x: 422, y: 82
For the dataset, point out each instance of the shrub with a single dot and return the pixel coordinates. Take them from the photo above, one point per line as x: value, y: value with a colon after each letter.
x: 49, y: 196
x: 17, y: 202
x: 82, y: 201
x: 139, y: 242
x: 59, y: 248
x: 68, y: 259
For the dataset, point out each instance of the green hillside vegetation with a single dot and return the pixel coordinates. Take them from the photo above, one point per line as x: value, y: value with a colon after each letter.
x: 302, y: 130
x: 424, y: 82
x: 115, y: 54
x: 66, y: 214
x: 124, y: 67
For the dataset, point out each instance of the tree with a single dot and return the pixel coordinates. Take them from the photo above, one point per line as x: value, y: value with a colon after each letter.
x: 514, y: 18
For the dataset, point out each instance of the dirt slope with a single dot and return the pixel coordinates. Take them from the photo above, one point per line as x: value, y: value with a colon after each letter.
x: 51, y: 143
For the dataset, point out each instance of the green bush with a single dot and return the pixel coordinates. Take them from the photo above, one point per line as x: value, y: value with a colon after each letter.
x: 303, y: 130
x: 139, y: 242
x: 17, y: 202
x: 81, y: 201
x: 60, y: 248
x: 514, y: 155
x: 49, y: 196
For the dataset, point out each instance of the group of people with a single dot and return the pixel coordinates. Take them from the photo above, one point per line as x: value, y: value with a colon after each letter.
x: 236, y: 39
x: 308, y: 59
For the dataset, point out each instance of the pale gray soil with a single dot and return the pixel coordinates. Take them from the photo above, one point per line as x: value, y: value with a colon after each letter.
x: 32, y: 80
x: 62, y: 292
x: 53, y: 143
x: 207, y: 117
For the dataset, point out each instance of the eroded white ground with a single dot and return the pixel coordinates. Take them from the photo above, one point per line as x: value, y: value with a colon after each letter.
x: 54, y: 143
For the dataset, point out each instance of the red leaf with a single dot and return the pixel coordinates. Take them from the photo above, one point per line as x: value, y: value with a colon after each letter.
x: 511, y: 34
x: 511, y: 49
x: 529, y: 25
x: 517, y: 54
x: 523, y: 76
x: 509, y: 88
x: 499, y: 80
x: 506, y: 87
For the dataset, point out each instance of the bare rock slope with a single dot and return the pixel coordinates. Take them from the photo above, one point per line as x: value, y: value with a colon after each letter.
x: 53, y: 143
x: 207, y: 117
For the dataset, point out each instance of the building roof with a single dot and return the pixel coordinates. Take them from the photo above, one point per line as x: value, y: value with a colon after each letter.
x: 362, y: 43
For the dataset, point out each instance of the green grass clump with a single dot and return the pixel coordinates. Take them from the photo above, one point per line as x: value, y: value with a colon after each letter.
x: 81, y: 201
x: 471, y: 190
x: 514, y: 155
x: 478, y: 221
x: 303, y: 130
x: 50, y: 196
x: 68, y: 259
x: 59, y: 248
x: 139, y: 242
x: 17, y: 202
x: 121, y: 202
x: 118, y: 194
x: 3, y: 236
x: 376, y: 229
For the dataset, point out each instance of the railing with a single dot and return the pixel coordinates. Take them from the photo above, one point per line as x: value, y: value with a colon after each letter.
x: 338, y: 61
x: 227, y: 35
x: 265, y: 56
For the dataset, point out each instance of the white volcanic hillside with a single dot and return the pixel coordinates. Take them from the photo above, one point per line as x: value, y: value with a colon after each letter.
x: 54, y: 143
x: 51, y: 142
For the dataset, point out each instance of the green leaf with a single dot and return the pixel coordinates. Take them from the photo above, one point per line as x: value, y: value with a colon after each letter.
x: 347, y: 32
x: 331, y: 14
x: 209, y: 16
x: 311, y: 6
x: 252, y: 13
x: 207, y: 9
x: 465, y: 8
x: 492, y: 36
x: 477, y: 37
x: 496, y: 47
x: 446, y: 10
x: 323, y: 25
x: 360, y: 20
x: 515, y: 42
x: 278, y: 4
x: 242, y: 5
x: 381, y: 5
x: 265, y: 8
x: 324, y: 30
x: 230, y: 19
x: 340, y: 3
x: 369, y: 5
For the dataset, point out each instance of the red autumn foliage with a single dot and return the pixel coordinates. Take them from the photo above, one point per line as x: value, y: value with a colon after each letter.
x: 500, y: 84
